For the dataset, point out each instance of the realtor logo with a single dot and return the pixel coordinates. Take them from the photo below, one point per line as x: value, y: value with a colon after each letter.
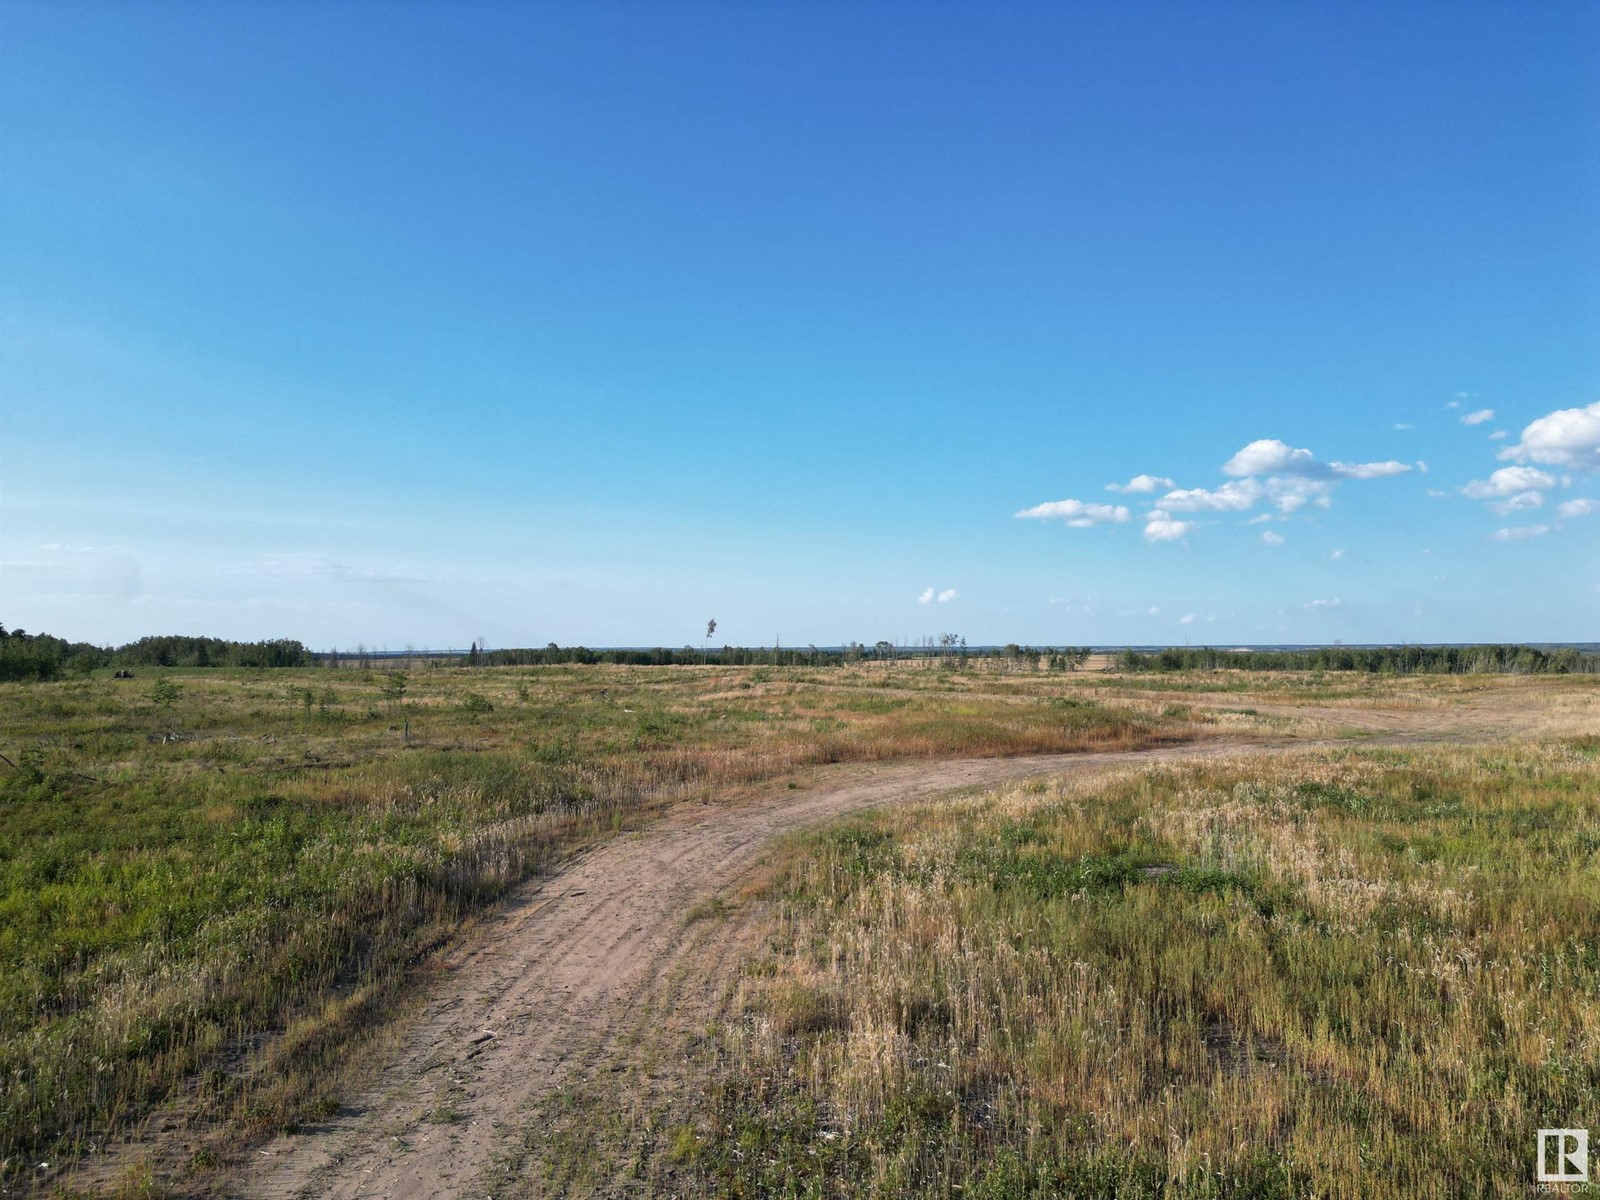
x: 1563, y: 1156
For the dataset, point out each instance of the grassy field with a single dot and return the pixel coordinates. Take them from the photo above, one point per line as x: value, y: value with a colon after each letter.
x: 214, y: 884
x: 1354, y: 973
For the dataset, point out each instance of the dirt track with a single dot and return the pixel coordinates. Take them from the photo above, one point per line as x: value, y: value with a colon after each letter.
x: 574, y: 964
x: 554, y: 974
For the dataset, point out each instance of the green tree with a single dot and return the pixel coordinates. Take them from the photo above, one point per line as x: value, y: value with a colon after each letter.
x: 393, y: 687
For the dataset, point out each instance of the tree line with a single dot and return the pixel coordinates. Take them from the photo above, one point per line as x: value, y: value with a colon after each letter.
x: 25, y: 655
x: 1375, y: 660
x: 661, y: 656
x: 946, y: 648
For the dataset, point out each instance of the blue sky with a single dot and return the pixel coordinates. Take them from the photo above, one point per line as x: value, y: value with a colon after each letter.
x: 411, y: 324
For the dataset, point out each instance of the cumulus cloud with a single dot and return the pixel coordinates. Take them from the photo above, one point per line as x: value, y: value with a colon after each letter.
x: 1141, y: 483
x: 1479, y: 417
x: 933, y: 596
x: 1402, y: 425
x: 1272, y: 539
x: 926, y: 597
x: 1076, y: 513
x: 1267, y: 470
x: 1294, y: 478
x: 1337, y: 554
x: 1269, y: 456
x: 948, y: 595
x: 1518, y: 532
x: 1188, y: 618
x: 1577, y: 508
x: 1230, y: 497
x: 1316, y: 604
x: 1508, y: 481
x: 1160, y: 526
x: 1498, y: 435
x: 1288, y: 495
x: 1568, y: 437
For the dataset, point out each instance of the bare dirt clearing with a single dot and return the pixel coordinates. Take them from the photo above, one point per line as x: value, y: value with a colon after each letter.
x: 572, y: 965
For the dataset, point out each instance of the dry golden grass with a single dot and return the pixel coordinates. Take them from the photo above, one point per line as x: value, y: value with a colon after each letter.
x: 209, y: 894
x: 207, y: 900
x: 1361, y: 974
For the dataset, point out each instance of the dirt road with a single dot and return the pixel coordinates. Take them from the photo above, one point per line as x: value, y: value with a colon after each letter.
x: 554, y: 975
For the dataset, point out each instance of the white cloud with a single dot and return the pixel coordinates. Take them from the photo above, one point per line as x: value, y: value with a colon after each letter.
x: 1188, y: 619
x: 1402, y: 426
x: 1508, y: 481
x: 1269, y: 456
x: 1497, y: 435
x: 1076, y: 513
x: 1161, y: 527
x: 1272, y: 539
x: 1371, y: 470
x: 1521, y: 502
x: 1577, y: 508
x: 1140, y: 484
x: 1568, y: 437
x: 1293, y: 478
x: 1517, y: 533
x: 1337, y: 554
x: 1290, y: 494
x: 948, y: 595
x: 1297, y: 479
x: 1259, y: 518
x: 1230, y: 497
x: 1316, y: 604
x: 1153, y: 610
x: 1479, y: 417
x: 926, y: 597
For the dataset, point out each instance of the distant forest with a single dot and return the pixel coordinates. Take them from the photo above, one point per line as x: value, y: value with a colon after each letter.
x: 40, y: 656
x: 26, y: 655
x: 1388, y: 660
x: 946, y: 647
